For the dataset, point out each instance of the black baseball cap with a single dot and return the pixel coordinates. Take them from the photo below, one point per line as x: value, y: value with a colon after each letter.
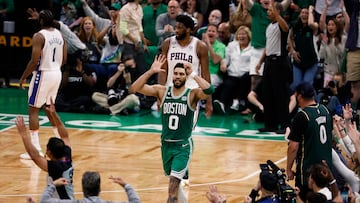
x: 268, y: 180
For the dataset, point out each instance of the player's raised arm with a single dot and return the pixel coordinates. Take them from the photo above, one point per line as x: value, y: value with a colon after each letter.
x: 140, y: 85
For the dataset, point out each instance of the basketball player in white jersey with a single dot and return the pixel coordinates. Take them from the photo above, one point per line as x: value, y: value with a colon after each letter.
x: 184, y: 48
x: 48, y: 55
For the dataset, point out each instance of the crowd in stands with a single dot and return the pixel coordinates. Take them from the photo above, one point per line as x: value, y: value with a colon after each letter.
x: 259, y: 52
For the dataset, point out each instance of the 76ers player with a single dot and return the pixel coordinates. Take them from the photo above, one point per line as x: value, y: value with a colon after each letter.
x: 48, y: 55
x: 184, y: 48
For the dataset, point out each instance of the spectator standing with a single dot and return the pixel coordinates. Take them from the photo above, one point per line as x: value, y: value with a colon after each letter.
x: 131, y: 16
x: 332, y: 7
x: 240, y: 17
x: 151, y: 12
x: 310, y: 138
x: 332, y: 49
x: 176, y: 140
x: 111, y: 41
x: 259, y: 23
x: 222, y: 5
x: 88, y: 34
x: 165, y: 22
x: 192, y: 9
x: 302, y: 48
x: 91, y: 189
x: 48, y: 55
x: 342, y: 17
x: 100, y: 22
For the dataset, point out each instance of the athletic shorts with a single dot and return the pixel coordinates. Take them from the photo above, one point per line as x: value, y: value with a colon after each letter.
x: 176, y: 157
x: 44, y: 85
x: 353, y: 65
x: 256, y: 54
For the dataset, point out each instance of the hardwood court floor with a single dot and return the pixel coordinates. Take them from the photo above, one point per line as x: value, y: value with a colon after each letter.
x: 228, y: 158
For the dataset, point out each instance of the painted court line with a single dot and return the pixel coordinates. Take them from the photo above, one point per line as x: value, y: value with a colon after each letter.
x: 251, y: 175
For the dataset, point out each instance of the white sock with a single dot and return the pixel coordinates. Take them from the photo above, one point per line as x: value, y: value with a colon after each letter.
x: 56, y: 132
x: 183, y: 193
x: 34, y: 134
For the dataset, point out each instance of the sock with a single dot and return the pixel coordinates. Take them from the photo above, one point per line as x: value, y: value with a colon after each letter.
x: 56, y: 132
x: 34, y: 134
x: 183, y: 193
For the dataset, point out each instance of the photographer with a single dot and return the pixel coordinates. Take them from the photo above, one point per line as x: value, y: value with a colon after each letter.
x: 76, y: 88
x: 118, y: 98
x: 267, y: 185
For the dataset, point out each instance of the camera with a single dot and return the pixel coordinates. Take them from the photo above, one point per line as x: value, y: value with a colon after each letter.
x: 113, y: 98
x: 333, y: 83
x: 285, y: 192
x: 127, y: 68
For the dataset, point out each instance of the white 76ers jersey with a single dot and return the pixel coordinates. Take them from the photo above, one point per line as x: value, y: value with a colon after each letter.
x: 52, y: 53
x: 179, y: 54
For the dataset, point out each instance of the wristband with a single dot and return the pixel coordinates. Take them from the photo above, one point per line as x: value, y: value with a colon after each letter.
x: 332, y: 182
x: 192, y: 75
x: 209, y: 90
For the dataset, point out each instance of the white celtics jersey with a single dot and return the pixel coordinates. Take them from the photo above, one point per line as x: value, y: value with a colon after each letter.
x: 179, y: 54
x: 52, y: 52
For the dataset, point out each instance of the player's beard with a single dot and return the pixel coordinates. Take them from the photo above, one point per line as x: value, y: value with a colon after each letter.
x: 182, y: 83
x: 181, y: 36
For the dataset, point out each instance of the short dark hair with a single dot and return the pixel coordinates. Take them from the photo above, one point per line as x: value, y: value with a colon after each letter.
x: 47, y: 18
x: 91, y: 183
x: 127, y: 57
x: 306, y: 90
x: 186, y: 20
x: 179, y: 65
x: 317, y: 173
x: 56, y: 147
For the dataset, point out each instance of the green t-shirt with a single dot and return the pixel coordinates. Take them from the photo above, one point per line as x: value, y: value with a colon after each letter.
x: 259, y: 23
x: 219, y: 49
x: 149, y: 22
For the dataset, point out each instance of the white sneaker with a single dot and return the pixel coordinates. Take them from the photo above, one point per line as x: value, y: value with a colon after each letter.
x: 235, y: 105
x: 26, y: 156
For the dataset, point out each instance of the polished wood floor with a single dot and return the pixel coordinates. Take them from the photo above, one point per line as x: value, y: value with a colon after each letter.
x: 231, y: 164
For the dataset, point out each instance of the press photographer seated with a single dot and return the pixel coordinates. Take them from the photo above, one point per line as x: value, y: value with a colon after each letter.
x: 118, y: 99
